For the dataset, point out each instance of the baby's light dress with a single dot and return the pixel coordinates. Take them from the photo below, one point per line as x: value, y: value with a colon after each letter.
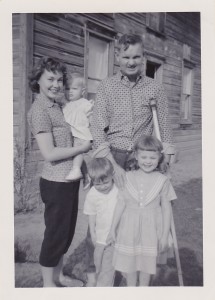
x: 136, y: 247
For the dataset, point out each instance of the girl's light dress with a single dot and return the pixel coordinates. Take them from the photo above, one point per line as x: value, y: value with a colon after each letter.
x: 140, y: 227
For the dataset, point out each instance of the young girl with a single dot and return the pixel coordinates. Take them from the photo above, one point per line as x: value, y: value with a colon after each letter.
x: 142, y: 215
x: 76, y: 112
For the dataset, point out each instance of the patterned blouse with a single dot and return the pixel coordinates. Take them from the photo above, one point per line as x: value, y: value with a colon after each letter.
x: 47, y: 116
x: 122, y: 112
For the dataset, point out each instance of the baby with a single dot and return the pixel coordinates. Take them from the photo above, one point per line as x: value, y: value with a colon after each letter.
x: 76, y: 112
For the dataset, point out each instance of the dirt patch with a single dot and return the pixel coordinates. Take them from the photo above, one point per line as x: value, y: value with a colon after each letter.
x: 186, y: 177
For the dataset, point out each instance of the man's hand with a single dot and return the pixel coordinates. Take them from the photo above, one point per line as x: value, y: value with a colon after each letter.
x: 119, y: 176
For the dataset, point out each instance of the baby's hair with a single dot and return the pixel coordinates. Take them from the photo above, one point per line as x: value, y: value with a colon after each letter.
x: 151, y: 143
x: 99, y: 169
x: 130, y: 39
x: 75, y: 75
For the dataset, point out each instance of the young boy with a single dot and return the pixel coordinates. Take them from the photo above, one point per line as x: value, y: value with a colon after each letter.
x: 99, y: 206
x: 76, y: 112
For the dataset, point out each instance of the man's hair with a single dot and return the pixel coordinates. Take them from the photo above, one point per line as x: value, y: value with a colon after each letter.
x: 130, y: 39
x: 99, y: 169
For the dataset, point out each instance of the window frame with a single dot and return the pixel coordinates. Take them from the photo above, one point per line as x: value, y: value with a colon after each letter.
x: 157, y: 31
x: 155, y: 59
x: 188, y: 65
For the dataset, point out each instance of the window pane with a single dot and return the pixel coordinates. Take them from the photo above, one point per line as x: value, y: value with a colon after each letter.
x: 98, y: 58
x: 92, y: 85
x: 187, y: 81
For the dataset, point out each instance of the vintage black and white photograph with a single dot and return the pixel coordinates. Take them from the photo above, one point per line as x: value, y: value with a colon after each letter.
x: 107, y: 151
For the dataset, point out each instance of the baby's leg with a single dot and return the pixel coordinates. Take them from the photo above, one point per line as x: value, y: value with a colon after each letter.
x: 76, y: 173
x: 77, y: 161
x: 144, y: 279
x: 131, y: 279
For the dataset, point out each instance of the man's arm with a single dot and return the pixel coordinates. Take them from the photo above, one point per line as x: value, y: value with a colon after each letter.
x: 100, y: 120
x: 164, y: 123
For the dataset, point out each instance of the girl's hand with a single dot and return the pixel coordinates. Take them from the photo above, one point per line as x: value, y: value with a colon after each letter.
x: 111, y: 238
x: 163, y: 244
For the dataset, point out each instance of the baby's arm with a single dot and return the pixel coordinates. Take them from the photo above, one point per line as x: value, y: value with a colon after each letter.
x: 92, y: 225
x: 89, y: 110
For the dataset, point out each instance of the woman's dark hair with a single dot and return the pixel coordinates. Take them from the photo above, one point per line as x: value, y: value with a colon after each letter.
x: 45, y: 63
x: 151, y: 143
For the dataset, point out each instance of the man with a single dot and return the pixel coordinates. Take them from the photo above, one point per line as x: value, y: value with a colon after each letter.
x: 122, y: 111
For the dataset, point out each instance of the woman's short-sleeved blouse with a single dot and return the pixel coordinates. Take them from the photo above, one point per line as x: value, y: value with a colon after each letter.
x: 46, y: 116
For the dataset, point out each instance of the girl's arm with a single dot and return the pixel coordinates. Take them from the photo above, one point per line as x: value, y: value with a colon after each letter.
x: 92, y: 225
x: 120, y: 206
x: 51, y: 153
x: 166, y: 216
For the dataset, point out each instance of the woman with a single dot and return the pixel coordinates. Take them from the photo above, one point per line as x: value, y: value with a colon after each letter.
x: 55, y: 142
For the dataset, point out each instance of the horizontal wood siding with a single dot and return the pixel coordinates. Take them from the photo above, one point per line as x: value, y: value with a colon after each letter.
x: 62, y: 35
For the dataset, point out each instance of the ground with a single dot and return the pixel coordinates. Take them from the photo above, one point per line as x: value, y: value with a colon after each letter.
x: 187, y: 180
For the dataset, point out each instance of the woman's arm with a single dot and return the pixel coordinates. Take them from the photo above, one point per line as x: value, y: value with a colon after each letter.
x: 52, y: 153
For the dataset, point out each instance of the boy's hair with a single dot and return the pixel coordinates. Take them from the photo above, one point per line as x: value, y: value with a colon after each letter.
x: 130, y: 39
x: 151, y: 143
x: 75, y: 75
x: 99, y: 169
x: 45, y: 63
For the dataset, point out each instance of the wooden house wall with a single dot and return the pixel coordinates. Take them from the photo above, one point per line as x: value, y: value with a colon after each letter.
x: 16, y: 72
x: 62, y: 36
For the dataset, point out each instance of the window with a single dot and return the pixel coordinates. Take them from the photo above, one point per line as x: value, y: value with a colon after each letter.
x: 156, y: 22
x: 97, y: 64
x: 187, y: 87
x: 154, y: 66
x: 186, y: 97
x: 153, y: 70
x: 99, y: 57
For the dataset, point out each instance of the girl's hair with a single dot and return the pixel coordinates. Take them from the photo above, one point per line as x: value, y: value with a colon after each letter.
x: 151, y: 143
x: 45, y: 63
x: 99, y: 169
x: 72, y: 76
